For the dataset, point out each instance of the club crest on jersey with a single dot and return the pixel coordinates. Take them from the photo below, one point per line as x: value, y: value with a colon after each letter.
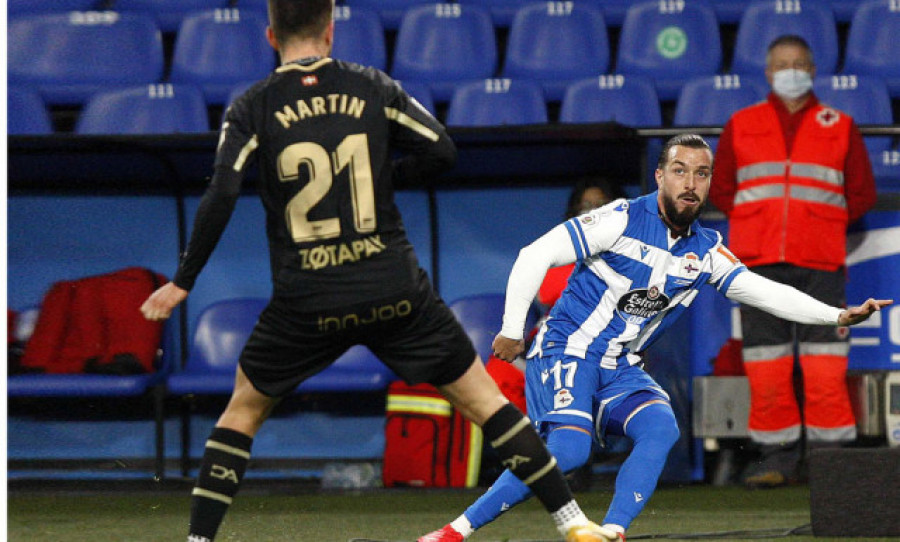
x: 310, y: 80
x: 690, y: 266
x: 562, y: 399
x: 637, y: 306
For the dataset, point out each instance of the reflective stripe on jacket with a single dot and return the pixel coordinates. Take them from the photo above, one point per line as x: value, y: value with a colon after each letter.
x: 790, y: 209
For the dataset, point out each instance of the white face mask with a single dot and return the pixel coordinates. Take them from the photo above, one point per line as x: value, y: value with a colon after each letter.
x: 790, y: 84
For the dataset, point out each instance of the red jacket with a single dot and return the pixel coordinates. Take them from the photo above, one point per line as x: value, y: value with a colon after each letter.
x: 790, y: 184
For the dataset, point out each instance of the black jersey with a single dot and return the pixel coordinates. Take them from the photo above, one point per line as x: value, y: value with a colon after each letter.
x: 324, y: 133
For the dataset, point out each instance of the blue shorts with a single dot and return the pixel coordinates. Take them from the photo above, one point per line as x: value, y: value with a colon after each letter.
x: 563, y: 389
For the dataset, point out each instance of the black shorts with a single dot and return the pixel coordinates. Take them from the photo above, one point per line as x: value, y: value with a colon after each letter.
x: 415, y: 334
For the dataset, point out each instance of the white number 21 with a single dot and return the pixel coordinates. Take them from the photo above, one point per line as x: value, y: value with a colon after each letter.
x: 353, y: 151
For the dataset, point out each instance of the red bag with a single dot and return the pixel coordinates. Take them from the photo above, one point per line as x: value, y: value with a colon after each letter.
x: 427, y: 442
x: 94, y: 324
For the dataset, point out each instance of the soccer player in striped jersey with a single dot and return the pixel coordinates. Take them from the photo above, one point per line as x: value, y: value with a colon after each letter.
x: 324, y: 134
x: 639, y: 265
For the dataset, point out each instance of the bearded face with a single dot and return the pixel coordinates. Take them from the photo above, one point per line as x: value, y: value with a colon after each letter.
x: 684, y: 184
x: 682, y: 209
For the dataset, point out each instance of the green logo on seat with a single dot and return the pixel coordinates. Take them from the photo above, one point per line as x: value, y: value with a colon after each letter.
x: 671, y: 42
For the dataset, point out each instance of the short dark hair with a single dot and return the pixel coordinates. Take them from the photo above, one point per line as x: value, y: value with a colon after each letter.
x: 790, y: 39
x: 693, y: 141
x: 299, y: 18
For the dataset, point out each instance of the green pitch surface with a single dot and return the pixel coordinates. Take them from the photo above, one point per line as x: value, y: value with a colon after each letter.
x: 392, y: 515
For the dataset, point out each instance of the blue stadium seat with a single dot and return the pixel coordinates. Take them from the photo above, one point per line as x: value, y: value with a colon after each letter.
x: 497, y: 102
x: 421, y: 93
x: 147, y: 109
x: 23, y: 7
x: 765, y: 20
x: 168, y: 13
x: 863, y: 97
x: 26, y: 113
x: 217, y: 49
x: 482, y: 317
x: 391, y: 11
x: 502, y: 11
x: 630, y: 100
x: 359, y: 37
x: 67, y: 57
x: 86, y: 386
x: 711, y: 100
x: 873, y: 47
x: 670, y: 43
x: 444, y: 45
x: 556, y: 43
x: 886, y: 168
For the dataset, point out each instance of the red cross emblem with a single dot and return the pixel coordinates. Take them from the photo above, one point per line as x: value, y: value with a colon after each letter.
x: 310, y: 80
x: 827, y: 117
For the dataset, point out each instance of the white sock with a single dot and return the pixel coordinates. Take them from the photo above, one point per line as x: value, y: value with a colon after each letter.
x: 614, y: 527
x: 570, y: 515
x: 463, y: 526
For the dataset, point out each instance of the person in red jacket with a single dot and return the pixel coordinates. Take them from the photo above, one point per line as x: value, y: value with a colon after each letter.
x: 791, y: 174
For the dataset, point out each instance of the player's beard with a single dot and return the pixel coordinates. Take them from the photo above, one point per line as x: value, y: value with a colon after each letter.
x: 683, y: 218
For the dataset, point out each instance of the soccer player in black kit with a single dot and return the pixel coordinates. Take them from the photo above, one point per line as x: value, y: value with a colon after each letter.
x: 323, y: 132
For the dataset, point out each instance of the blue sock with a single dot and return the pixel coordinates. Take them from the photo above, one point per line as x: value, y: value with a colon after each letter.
x: 571, y: 448
x: 654, y: 432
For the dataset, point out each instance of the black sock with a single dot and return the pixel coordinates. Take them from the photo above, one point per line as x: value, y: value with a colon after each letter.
x: 523, y: 452
x: 224, y: 462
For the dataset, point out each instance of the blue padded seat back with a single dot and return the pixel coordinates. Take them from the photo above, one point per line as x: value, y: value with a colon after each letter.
x: 359, y: 37
x: 669, y: 42
x: 765, y: 20
x: 557, y: 43
x: 222, y: 330
x: 711, y: 100
x: 481, y: 316
x: 873, y: 47
x: 497, y: 102
x: 147, y: 109
x: 69, y: 56
x: 390, y: 11
x: 168, y: 13
x: 26, y: 113
x: 627, y: 99
x: 445, y: 45
x: 863, y: 97
x: 217, y: 49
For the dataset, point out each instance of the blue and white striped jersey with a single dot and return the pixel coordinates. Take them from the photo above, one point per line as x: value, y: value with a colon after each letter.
x: 630, y: 283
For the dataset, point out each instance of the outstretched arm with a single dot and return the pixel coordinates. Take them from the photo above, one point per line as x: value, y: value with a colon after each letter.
x: 791, y: 304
